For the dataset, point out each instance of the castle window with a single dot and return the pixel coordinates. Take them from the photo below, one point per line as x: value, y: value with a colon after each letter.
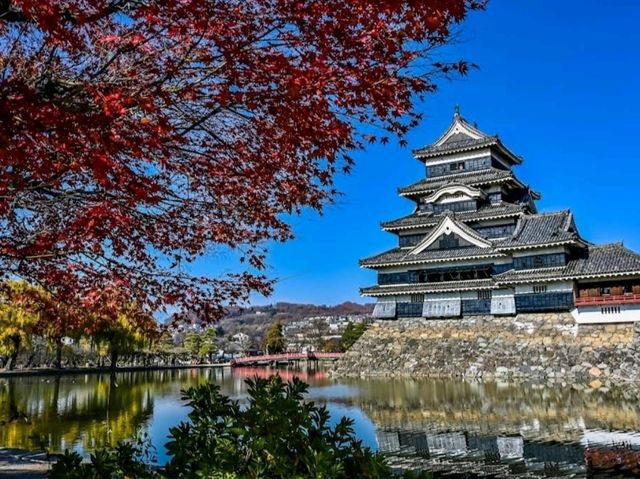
x: 486, y: 294
x: 610, y: 310
x: 499, y: 231
x: 417, y: 298
x: 540, y: 261
x: 540, y: 288
x: 455, y: 207
x: 468, y: 165
x: 478, y: 164
x: 495, y: 198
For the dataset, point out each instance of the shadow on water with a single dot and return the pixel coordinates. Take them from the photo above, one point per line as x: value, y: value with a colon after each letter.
x: 474, y: 429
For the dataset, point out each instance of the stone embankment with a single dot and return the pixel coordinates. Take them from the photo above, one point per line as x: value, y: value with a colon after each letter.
x: 547, y: 346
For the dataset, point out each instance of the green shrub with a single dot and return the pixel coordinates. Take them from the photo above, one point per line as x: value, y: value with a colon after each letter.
x: 277, y: 435
x: 123, y: 462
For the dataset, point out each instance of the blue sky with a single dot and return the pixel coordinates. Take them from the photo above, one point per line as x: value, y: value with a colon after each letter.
x: 558, y: 81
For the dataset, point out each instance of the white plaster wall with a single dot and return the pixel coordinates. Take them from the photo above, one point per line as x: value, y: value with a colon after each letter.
x: 441, y: 296
x: 502, y: 293
x: 401, y: 298
x: 457, y: 157
x: 468, y: 295
x: 629, y: 313
x: 453, y: 199
x: 556, y: 287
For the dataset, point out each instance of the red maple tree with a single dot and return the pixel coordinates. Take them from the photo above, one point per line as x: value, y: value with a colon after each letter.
x: 137, y: 135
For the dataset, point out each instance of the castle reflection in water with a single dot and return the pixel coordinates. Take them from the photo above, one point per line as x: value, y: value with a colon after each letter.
x: 505, y: 430
x: 486, y: 429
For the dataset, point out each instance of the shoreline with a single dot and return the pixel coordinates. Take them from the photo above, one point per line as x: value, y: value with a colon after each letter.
x: 97, y: 370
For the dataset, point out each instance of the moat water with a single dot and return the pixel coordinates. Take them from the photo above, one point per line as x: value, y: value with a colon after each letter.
x: 486, y: 429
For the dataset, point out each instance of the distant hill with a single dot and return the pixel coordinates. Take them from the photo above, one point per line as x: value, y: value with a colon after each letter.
x: 255, y: 320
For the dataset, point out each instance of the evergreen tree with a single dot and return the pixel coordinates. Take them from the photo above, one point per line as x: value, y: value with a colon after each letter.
x: 192, y: 343
x: 275, y: 341
x: 166, y: 343
x: 209, y: 344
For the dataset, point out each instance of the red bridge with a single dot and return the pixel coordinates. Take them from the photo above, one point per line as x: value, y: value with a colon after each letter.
x: 285, y: 358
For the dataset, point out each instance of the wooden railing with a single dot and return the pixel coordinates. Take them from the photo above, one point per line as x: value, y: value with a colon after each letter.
x: 608, y: 299
x: 285, y: 357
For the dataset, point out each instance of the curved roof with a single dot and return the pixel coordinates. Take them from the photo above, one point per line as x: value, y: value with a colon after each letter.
x: 474, y: 178
x: 398, y: 256
x: 422, y: 220
x: 532, y: 231
x: 463, y: 136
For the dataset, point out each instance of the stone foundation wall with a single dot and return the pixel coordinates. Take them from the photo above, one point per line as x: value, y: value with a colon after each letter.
x: 527, y: 345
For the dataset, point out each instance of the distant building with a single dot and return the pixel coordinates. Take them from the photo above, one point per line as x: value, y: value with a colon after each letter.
x: 240, y: 338
x: 475, y: 244
x: 311, y: 333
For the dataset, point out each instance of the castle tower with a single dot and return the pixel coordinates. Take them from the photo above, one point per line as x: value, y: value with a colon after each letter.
x: 475, y: 244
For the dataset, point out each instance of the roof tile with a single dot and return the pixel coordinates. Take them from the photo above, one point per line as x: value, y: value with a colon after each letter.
x: 430, y: 287
x: 416, y: 220
x: 467, y: 178
x: 403, y: 255
x: 540, y: 229
x: 597, y: 260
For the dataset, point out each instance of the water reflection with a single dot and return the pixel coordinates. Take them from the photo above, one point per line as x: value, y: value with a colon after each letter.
x: 82, y: 412
x: 503, y: 430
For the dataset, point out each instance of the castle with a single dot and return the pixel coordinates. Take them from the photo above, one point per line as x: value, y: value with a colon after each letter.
x: 476, y: 244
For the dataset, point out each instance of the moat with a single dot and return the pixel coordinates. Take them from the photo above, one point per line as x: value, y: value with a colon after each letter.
x: 487, y: 428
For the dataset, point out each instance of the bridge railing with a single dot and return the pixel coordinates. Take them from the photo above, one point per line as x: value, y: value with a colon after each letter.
x: 294, y: 356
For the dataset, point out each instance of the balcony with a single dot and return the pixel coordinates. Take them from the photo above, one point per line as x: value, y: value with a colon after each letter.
x: 608, y: 299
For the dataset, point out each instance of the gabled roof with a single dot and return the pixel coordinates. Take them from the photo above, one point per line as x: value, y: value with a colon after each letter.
x: 462, y: 136
x: 607, y: 260
x: 542, y: 230
x: 422, y: 220
x: 446, y: 226
x: 459, y: 130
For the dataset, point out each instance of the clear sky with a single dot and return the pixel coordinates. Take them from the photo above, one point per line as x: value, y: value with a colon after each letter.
x: 558, y: 81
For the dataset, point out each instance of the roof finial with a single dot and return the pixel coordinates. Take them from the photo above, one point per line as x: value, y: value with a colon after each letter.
x: 456, y: 111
